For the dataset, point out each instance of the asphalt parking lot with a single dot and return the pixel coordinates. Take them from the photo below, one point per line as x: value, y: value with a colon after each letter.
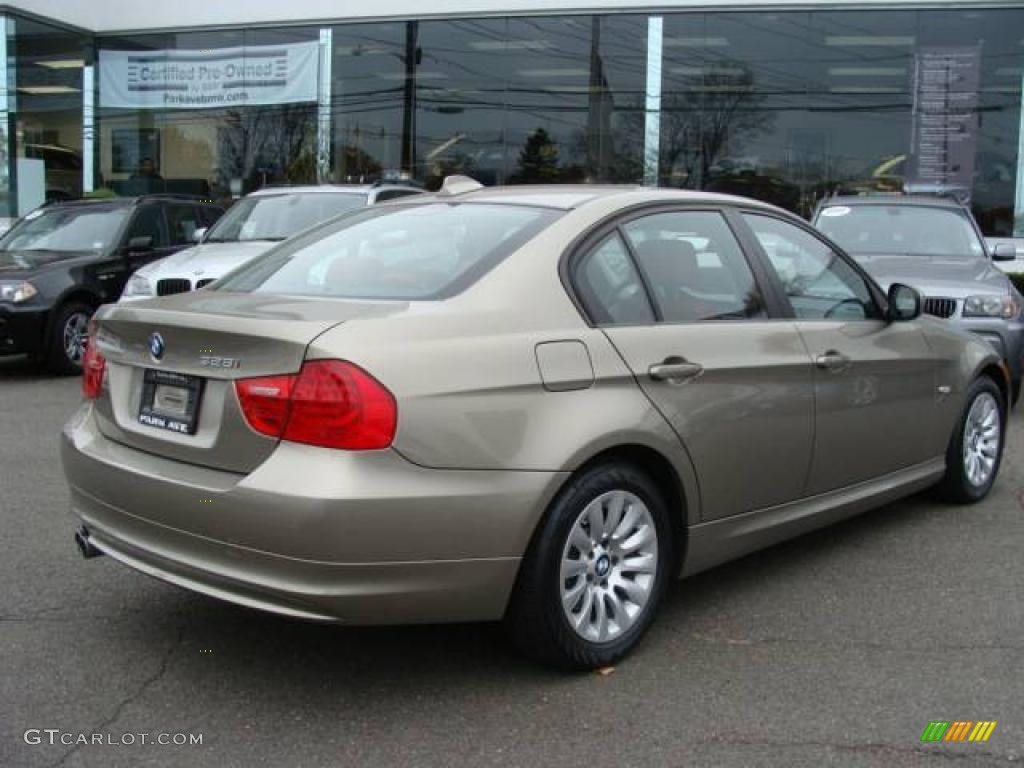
x: 834, y: 649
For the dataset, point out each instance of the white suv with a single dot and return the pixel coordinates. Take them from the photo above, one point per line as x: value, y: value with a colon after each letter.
x: 250, y: 227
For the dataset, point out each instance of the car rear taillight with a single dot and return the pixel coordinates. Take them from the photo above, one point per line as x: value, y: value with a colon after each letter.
x: 330, y: 403
x: 265, y: 402
x: 93, y: 366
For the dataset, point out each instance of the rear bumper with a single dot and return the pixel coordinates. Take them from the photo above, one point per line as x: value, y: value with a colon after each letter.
x: 22, y: 329
x: 360, y: 538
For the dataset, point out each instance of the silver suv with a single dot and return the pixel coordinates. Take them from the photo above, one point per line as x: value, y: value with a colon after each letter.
x: 250, y: 227
x: 934, y: 245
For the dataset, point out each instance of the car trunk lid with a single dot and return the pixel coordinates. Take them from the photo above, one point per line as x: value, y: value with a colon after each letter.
x: 162, y: 354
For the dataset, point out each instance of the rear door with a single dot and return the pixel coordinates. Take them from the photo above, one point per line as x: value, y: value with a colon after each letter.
x: 874, y: 380
x: 687, y: 311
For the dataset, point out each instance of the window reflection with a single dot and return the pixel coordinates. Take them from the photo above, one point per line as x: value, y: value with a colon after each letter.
x: 221, y: 152
x: 784, y: 106
x: 523, y: 100
x: 47, y: 64
x: 789, y: 107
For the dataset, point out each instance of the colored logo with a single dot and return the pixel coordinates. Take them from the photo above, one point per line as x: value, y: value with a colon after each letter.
x: 156, y: 345
x: 958, y: 730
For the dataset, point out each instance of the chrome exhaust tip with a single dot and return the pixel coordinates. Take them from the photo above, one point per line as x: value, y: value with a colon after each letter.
x: 84, y: 545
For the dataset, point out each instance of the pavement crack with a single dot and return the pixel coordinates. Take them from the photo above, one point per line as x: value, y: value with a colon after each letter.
x: 930, y: 751
x: 933, y: 648
x: 131, y: 698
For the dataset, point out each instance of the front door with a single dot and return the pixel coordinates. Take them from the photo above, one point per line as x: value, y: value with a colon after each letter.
x: 146, y: 238
x: 680, y: 302
x: 875, y: 394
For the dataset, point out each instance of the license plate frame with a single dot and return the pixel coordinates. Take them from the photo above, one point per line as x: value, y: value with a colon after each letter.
x: 183, y: 420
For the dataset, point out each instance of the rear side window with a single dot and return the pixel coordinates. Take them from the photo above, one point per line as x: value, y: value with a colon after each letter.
x: 208, y: 215
x: 428, y: 251
x: 182, y: 222
x: 394, y: 194
x: 610, y: 287
x: 695, y: 267
x: 149, y: 222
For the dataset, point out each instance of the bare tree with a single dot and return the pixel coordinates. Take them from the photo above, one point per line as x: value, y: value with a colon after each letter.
x: 699, y: 121
x: 268, y: 144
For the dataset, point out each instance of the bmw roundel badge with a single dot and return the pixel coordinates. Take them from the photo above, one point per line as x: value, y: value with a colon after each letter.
x: 156, y: 346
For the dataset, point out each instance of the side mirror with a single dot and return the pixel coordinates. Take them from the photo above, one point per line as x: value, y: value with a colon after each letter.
x: 198, y: 235
x: 904, y: 303
x: 140, y: 243
x: 1004, y: 252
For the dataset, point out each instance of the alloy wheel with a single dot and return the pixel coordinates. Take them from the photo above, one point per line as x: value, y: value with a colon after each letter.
x: 76, y: 329
x: 609, y: 566
x: 982, y: 433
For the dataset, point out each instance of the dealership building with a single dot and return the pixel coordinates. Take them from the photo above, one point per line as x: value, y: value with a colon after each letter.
x: 783, y: 101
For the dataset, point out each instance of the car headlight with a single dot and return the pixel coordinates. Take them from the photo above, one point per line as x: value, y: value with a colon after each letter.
x: 16, y: 291
x: 991, y: 306
x: 138, y: 285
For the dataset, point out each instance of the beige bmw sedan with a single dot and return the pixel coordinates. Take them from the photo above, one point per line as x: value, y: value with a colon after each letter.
x: 536, y: 404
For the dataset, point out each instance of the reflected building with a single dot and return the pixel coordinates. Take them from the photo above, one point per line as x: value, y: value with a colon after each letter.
x: 783, y: 104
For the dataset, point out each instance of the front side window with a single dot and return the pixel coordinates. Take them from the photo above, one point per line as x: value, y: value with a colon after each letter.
x: 819, y: 283
x: 427, y: 251
x: 610, y: 286
x: 276, y: 217
x: 914, y: 230
x: 694, y: 266
x: 149, y: 222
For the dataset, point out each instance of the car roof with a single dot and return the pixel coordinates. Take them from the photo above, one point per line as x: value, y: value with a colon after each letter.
x: 570, y: 196
x: 361, y: 189
x: 124, y: 202
x: 932, y: 201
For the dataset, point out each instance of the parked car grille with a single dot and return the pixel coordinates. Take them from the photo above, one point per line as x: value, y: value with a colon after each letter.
x: 204, y: 282
x: 173, y: 285
x: 940, y: 307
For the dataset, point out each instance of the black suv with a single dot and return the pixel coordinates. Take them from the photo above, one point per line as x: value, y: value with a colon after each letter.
x: 60, y: 262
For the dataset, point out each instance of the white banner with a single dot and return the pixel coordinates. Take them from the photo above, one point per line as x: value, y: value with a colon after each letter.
x: 211, y: 78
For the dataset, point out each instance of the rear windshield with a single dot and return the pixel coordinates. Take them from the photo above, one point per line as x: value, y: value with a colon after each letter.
x: 901, y: 229
x: 424, y: 251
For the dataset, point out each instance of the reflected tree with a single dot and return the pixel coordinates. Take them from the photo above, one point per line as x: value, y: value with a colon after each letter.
x: 357, y: 164
x: 267, y: 145
x: 712, y: 114
x: 538, y: 160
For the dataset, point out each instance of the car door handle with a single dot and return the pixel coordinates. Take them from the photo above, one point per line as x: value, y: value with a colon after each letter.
x: 675, y: 370
x: 833, y: 361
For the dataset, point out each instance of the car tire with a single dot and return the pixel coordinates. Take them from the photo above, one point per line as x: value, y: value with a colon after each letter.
x: 66, y: 343
x: 607, y: 585
x: 976, y: 446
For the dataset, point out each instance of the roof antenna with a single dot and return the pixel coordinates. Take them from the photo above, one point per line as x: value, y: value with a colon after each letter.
x: 458, y: 185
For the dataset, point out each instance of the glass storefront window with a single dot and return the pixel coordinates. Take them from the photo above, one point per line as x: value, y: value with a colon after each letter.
x: 783, y: 105
x: 991, y: 55
x: 370, y: 101
x: 46, y: 103
x: 520, y: 100
x: 790, y: 106
x: 205, y: 139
